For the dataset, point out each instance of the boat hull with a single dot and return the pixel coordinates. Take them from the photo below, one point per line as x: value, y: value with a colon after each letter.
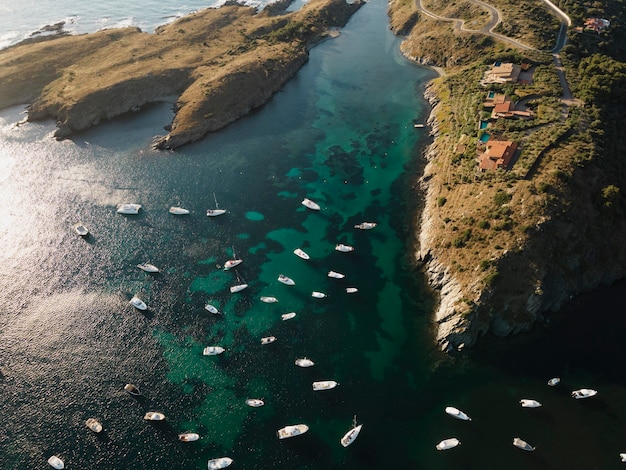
x: 349, y: 437
x: 292, y: 431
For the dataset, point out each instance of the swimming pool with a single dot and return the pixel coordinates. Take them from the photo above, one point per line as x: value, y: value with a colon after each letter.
x: 484, y: 138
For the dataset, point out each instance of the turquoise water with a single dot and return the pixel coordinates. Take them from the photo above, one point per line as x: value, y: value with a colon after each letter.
x: 484, y: 125
x: 485, y: 138
x: 341, y: 133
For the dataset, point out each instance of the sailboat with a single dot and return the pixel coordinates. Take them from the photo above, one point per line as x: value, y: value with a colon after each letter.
x: 217, y: 211
x: 349, y: 437
x: 231, y: 263
x: 239, y: 287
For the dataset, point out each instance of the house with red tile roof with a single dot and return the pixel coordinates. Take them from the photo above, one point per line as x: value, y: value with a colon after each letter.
x: 497, y: 154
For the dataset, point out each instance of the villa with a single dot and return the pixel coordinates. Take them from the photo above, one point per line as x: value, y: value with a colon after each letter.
x: 500, y: 72
x: 498, y: 154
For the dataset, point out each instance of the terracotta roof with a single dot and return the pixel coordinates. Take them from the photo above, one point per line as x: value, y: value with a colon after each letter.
x: 498, y: 154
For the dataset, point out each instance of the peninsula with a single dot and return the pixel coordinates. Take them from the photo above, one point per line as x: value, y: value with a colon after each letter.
x: 219, y: 64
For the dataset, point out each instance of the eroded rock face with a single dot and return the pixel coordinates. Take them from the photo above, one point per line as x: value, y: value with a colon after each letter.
x: 219, y: 63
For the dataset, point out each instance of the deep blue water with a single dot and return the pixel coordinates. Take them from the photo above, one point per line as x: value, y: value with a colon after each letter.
x: 341, y: 134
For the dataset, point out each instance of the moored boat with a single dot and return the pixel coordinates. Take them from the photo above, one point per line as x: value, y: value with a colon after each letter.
x: 528, y: 403
x: 304, y: 362
x: 291, y: 431
x: 81, y: 230
x: 584, y: 393
x: 448, y: 444
x: 301, y: 254
x: 132, y: 390
x: 238, y: 288
x: 188, y: 437
x: 288, y: 316
x: 268, y: 339
x: 217, y: 211
x: 269, y: 300
x: 310, y: 204
x: 456, y: 413
x: 286, y: 280
x: 554, y: 381
x: 213, y: 350
x: 128, y: 209
x: 344, y: 248
x: 231, y: 263
x: 222, y: 462
x: 212, y: 309
x: 94, y: 425
x: 365, y: 225
x: 522, y: 444
x: 351, y: 290
x: 349, y: 437
x: 324, y: 385
x: 318, y: 295
x: 336, y: 275
x: 154, y: 416
x: 255, y: 402
x: 178, y: 211
x: 56, y: 462
x: 138, y: 303
x: 147, y: 267
x: 622, y: 456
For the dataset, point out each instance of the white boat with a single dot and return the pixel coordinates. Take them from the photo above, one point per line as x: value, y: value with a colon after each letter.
x: 527, y: 403
x: 215, y: 212
x: 448, y: 444
x: 222, y: 462
x: 56, y: 462
x: 623, y: 457
x: 584, y: 393
x: 255, y: 402
x: 147, y: 267
x: 344, y: 248
x: 336, y: 275
x: 188, y: 437
x: 288, y: 316
x: 286, y: 280
x: 310, y: 204
x: 304, y: 362
x: 522, y: 444
x: 269, y: 300
x: 128, y: 208
x: 213, y: 350
x: 154, y: 416
x: 366, y: 225
x: 212, y: 309
x: 94, y: 425
x: 291, y: 431
x: 238, y: 288
x: 268, y: 339
x: 324, y: 385
x: 138, y: 303
x: 456, y: 413
x: 351, y: 290
x: 349, y: 437
x: 554, y: 381
x: 81, y: 230
x: 301, y: 254
x: 178, y: 211
x: 231, y: 263
x: 132, y: 390
x: 318, y: 295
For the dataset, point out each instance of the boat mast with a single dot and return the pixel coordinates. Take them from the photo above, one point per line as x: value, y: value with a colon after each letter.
x: 215, y: 198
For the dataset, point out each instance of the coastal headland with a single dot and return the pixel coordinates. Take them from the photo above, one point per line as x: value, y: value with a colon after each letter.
x: 219, y: 64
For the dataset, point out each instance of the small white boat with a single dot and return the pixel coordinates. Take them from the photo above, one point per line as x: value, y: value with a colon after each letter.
x: 188, y: 437
x: 623, y: 457
x: 456, y: 413
x: 304, y: 362
x: 291, y: 431
x: 138, y: 303
x: 132, y: 390
x: 178, y: 211
x: 147, y: 267
x: 81, y: 230
x: 154, y: 416
x: 128, y: 208
x: 268, y: 339
x: 231, y: 263
x: 222, y: 462
x: 56, y: 462
x: 554, y: 381
x: 288, y: 316
x: 286, y: 280
x: 94, y: 425
x: 527, y: 403
x: 269, y: 300
x: 213, y: 350
x: 310, y: 204
x: 522, y: 444
x: 349, y: 437
x: 351, y: 290
x: 238, y: 288
x: 212, y: 309
x: 344, y: 248
x: 301, y: 254
x: 324, y: 385
x: 448, y: 444
x: 336, y: 275
x: 215, y: 212
x: 255, y: 402
x: 584, y: 393
x: 318, y: 295
x: 366, y: 225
